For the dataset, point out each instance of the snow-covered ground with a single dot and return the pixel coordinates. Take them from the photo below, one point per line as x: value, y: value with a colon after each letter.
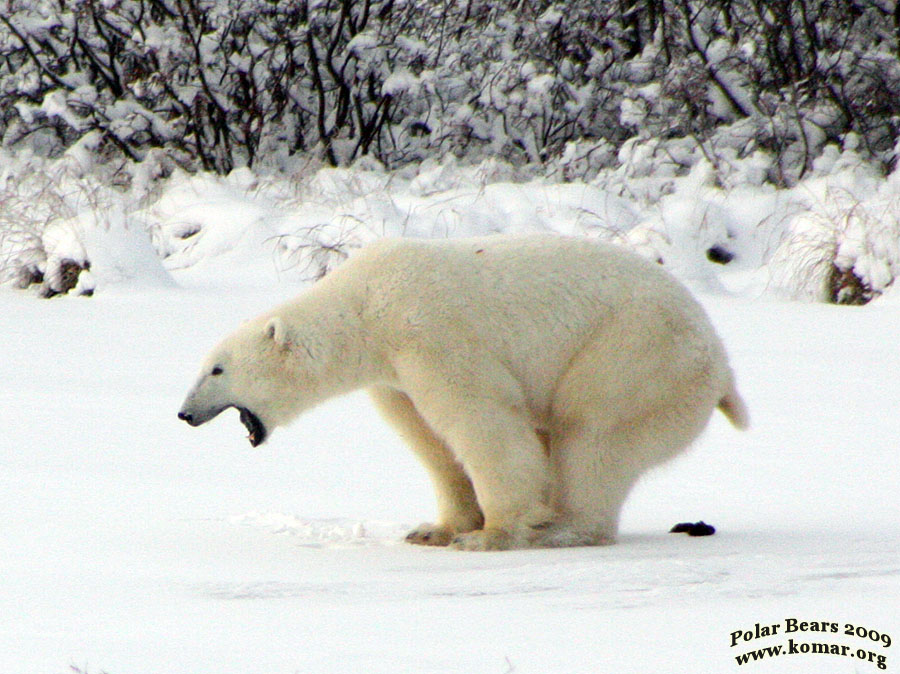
x: 132, y: 543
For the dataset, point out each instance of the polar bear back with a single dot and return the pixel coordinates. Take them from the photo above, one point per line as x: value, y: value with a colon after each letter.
x: 531, y: 304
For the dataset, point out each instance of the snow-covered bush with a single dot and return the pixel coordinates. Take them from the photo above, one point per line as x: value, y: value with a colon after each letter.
x: 221, y: 85
x: 34, y: 248
x: 62, y: 231
x: 844, y: 250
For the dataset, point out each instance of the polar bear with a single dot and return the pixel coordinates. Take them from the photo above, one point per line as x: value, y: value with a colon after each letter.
x: 535, y: 377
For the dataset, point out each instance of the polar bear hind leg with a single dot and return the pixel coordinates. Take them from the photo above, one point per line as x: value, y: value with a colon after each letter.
x: 614, y: 419
x: 598, y: 466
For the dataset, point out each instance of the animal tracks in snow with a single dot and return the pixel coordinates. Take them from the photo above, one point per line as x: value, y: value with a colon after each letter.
x: 323, y: 533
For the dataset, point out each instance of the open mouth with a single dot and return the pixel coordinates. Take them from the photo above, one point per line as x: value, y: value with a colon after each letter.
x: 255, y: 429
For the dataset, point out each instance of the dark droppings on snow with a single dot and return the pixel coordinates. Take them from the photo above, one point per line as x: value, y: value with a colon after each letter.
x: 700, y: 528
x: 719, y: 255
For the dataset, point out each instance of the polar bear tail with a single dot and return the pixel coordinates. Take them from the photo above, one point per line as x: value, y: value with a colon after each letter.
x: 734, y: 407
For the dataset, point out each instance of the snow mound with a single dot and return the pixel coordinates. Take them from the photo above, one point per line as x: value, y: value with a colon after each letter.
x: 119, y: 252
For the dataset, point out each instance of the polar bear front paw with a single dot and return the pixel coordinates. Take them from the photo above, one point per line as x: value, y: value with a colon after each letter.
x: 484, y: 539
x: 430, y: 534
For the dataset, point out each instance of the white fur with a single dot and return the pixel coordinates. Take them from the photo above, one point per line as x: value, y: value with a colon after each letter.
x: 536, y: 378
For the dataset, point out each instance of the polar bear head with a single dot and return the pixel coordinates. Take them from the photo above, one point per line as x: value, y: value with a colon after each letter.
x: 251, y: 370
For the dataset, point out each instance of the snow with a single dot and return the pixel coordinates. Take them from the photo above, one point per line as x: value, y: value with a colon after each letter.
x: 133, y: 543
x: 400, y: 82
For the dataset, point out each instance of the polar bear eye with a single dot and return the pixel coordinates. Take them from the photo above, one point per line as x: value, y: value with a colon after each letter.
x: 217, y: 370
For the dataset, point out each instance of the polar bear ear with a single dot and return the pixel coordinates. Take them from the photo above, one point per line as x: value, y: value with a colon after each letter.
x: 276, y: 331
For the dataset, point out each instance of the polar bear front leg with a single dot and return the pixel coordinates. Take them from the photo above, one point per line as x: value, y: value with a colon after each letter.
x: 458, y: 510
x: 506, y: 462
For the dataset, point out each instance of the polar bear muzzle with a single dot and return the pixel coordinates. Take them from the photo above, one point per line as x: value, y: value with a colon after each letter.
x: 256, y: 429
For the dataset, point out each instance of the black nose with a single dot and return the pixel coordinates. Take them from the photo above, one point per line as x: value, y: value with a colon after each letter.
x: 186, y: 417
